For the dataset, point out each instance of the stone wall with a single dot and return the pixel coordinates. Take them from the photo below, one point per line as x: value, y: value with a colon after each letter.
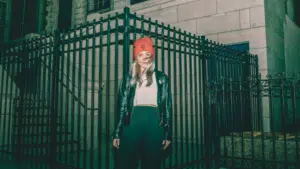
x: 52, y: 8
x: 79, y: 8
x: 225, y: 21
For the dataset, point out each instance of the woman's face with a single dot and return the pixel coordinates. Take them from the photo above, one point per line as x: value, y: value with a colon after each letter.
x: 144, y: 58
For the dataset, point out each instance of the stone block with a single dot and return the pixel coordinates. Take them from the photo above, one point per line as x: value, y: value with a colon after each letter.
x: 147, y: 10
x: 257, y: 16
x: 218, y: 23
x: 166, y: 15
x: 231, y: 5
x: 153, y: 4
x: 245, y: 18
x: 213, y: 37
x: 175, y: 2
x: 189, y: 26
x: 196, y: 9
x: 119, y: 4
x: 256, y: 37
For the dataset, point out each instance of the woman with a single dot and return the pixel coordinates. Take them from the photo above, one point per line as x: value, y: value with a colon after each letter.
x: 144, y: 126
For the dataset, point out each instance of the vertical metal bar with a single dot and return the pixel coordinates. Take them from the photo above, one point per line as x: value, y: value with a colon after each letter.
x: 186, y: 98
x: 197, y: 77
x: 142, y: 25
x: 79, y: 126
x: 5, y: 112
x: 107, y: 126
x: 163, y: 61
x: 205, y: 101
x: 27, y: 125
x: 198, y: 113
x: 169, y: 72
x: 38, y: 115
x: 261, y: 122
x: 46, y: 99
x: 126, y: 38
x: 284, y: 117
x: 163, y: 47
x: 49, y: 72
x: 270, y: 92
x: 208, y: 124
x: 175, y: 96
x: 181, y: 99
x: 62, y: 100
x: 73, y: 110
x: 241, y: 100
x: 117, y: 65
x: 149, y: 25
x: 192, y: 110
x: 32, y: 105
x: 42, y: 96
x: 223, y: 107
x: 231, y: 103
x: 2, y: 112
x: 86, y: 75
x: 20, y: 113
x: 294, y: 109
x: 11, y: 148
x: 100, y: 120
x: 67, y: 93
x: 54, y: 106
x: 134, y: 26
x: 93, y: 94
x: 156, y: 41
x: 32, y: 114
x: 253, y: 81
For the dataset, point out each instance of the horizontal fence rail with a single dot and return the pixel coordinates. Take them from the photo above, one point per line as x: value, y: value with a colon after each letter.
x: 59, y: 92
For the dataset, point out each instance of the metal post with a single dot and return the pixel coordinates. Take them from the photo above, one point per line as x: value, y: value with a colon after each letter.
x: 126, y: 38
x: 54, y: 101
x: 23, y: 18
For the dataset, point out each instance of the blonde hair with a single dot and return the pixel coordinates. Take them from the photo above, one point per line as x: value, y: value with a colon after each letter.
x: 136, y: 74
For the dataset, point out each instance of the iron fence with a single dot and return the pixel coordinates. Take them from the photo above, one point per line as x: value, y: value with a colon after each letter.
x: 273, y: 140
x: 59, y: 92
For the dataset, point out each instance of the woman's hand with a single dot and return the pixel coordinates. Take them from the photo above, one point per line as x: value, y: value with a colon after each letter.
x: 166, y: 144
x: 116, y: 143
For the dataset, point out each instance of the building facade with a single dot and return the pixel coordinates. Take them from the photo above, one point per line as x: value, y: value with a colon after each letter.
x: 267, y: 28
x: 260, y: 25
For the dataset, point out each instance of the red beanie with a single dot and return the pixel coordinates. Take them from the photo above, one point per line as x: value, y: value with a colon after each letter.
x: 143, y: 44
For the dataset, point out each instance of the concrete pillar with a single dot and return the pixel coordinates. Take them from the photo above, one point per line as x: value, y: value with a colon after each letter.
x: 79, y: 12
x: 290, y: 9
x: 52, y: 8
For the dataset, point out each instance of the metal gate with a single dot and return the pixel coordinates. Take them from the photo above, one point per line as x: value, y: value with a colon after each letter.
x: 59, y: 92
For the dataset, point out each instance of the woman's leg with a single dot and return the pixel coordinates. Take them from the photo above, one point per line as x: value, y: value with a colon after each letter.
x: 130, y: 142
x: 126, y: 155
x: 152, y: 154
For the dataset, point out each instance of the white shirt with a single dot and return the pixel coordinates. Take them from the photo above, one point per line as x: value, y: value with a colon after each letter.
x: 146, y: 95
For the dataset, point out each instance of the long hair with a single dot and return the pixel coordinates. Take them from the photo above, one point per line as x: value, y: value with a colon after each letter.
x: 136, y: 74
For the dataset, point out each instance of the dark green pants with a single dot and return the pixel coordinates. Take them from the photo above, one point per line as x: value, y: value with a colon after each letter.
x: 142, y: 139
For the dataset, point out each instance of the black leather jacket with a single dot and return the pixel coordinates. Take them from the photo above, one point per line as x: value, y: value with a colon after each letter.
x: 164, y: 100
